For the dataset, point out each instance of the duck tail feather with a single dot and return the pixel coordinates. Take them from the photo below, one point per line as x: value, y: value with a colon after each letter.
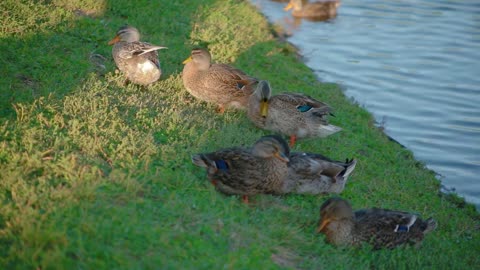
x: 201, y: 160
x: 349, y: 168
x: 431, y: 225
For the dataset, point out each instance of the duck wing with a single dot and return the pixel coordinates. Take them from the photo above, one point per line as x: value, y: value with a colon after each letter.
x: 389, y: 228
x: 235, y: 168
x: 138, y: 48
x: 225, y: 78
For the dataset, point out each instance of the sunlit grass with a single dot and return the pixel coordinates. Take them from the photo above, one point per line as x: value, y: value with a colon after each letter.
x: 97, y: 175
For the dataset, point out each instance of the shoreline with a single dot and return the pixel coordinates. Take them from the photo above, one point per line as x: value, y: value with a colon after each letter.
x: 455, y: 169
x: 281, y: 35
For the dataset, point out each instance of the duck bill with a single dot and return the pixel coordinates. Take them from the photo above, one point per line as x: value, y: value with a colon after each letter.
x: 322, y: 225
x: 187, y: 60
x: 114, y: 40
x: 288, y: 7
x: 282, y: 157
x: 263, y: 108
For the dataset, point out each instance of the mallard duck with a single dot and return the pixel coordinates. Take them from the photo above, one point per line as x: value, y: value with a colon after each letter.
x: 380, y: 227
x: 221, y: 84
x: 310, y: 173
x: 293, y: 114
x: 137, y: 60
x: 319, y: 10
x: 247, y: 171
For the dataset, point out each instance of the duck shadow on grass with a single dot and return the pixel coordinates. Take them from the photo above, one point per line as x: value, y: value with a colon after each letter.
x: 51, y: 62
x: 41, y: 62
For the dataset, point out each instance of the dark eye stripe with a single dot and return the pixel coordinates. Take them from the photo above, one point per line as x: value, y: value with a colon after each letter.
x: 197, y: 52
x: 123, y: 31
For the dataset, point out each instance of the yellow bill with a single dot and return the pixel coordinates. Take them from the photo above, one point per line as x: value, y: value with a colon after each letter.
x: 264, y: 108
x: 187, y: 60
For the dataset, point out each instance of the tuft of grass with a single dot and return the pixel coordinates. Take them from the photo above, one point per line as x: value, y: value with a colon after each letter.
x: 97, y: 175
x: 48, y: 47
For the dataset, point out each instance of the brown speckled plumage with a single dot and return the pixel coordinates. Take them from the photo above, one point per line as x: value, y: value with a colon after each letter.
x: 310, y: 173
x: 247, y: 171
x: 380, y: 227
x: 318, y: 10
x: 221, y: 84
x: 283, y: 114
x: 137, y: 60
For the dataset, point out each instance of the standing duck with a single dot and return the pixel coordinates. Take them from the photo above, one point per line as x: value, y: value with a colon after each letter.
x: 221, y: 84
x: 293, y: 114
x: 380, y: 227
x: 247, y: 171
x: 137, y: 60
x: 319, y: 10
x: 310, y: 173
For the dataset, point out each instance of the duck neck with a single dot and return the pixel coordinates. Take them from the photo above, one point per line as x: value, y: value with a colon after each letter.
x: 340, y: 232
x: 276, y: 174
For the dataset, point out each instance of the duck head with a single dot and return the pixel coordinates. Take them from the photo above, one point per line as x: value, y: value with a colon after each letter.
x: 201, y: 58
x: 272, y: 146
x: 127, y: 34
x: 334, y: 209
x: 262, y: 94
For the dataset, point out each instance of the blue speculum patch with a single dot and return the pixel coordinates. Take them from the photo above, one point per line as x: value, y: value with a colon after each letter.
x: 240, y: 85
x: 402, y: 228
x: 221, y: 165
x: 303, y: 108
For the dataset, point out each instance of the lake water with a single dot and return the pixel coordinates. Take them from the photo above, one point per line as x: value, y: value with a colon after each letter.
x: 415, y: 65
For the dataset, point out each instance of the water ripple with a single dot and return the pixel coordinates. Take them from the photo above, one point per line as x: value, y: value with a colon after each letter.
x: 414, y: 65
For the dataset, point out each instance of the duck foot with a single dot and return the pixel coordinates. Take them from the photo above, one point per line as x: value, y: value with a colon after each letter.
x: 293, y: 139
x: 220, y: 109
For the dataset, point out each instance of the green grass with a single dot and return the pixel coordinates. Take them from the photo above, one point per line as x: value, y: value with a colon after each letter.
x: 97, y: 175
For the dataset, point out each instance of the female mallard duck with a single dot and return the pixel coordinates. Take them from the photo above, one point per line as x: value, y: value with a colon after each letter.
x: 379, y: 227
x: 316, y: 174
x: 320, y: 10
x: 293, y: 114
x: 138, y: 60
x: 217, y: 83
x: 247, y: 171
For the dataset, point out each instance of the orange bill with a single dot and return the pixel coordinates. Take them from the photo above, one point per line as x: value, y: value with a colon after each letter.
x: 289, y: 6
x: 187, y: 60
x: 114, y: 40
x: 322, y: 225
x: 281, y: 156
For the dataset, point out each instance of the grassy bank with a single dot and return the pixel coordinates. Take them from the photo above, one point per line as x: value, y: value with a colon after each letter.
x: 97, y: 175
